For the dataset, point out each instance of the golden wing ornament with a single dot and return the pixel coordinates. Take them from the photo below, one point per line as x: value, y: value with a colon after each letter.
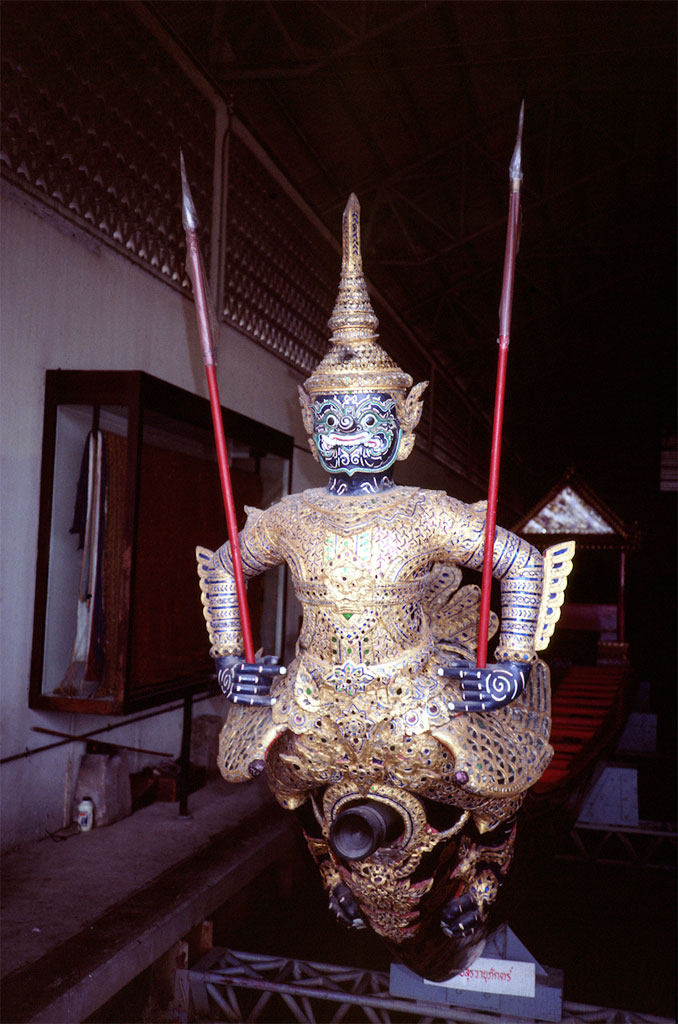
x: 557, y: 568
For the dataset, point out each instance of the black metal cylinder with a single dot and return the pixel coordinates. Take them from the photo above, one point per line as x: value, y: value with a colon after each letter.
x: 361, y: 829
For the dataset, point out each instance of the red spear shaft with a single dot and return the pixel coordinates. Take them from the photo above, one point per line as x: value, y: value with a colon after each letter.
x: 207, y: 330
x: 515, y: 177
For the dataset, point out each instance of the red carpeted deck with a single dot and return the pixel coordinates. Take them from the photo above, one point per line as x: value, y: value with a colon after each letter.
x: 588, y: 710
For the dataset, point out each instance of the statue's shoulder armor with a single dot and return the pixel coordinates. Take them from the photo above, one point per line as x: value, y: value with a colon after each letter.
x: 312, y: 495
x: 274, y: 517
x: 447, y: 501
x: 444, y: 505
x: 347, y: 514
x: 290, y: 503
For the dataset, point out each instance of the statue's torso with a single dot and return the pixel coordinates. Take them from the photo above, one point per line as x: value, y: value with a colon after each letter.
x: 361, y: 569
x: 362, y: 702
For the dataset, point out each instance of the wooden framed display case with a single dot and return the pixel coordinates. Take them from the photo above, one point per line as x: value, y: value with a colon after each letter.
x: 129, y: 487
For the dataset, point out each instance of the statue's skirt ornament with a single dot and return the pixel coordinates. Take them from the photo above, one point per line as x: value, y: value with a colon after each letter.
x: 406, y: 763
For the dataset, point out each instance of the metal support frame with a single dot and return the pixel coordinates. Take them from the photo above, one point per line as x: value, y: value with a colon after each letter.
x: 232, y: 986
x: 648, y: 845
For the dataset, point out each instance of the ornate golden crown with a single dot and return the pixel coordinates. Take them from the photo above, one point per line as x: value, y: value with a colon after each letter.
x: 355, y: 362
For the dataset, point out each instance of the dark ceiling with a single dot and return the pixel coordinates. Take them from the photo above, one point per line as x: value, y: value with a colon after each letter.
x: 414, y: 106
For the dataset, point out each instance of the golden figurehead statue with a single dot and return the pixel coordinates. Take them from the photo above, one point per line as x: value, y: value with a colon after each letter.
x: 406, y: 764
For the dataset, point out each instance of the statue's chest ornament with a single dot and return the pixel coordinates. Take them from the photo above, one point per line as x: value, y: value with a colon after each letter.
x: 350, y: 514
x: 349, y: 569
x: 364, y: 713
x: 349, y: 679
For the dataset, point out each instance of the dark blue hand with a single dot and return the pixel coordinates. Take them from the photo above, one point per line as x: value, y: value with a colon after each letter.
x: 486, y: 689
x: 345, y: 907
x: 459, y: 918
x: 246, y: 683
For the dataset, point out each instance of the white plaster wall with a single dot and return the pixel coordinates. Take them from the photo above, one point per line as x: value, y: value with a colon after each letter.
x: 67, y: 304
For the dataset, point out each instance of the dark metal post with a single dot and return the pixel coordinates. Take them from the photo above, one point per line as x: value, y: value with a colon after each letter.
x: 185, y: 756
x: 621, y: 600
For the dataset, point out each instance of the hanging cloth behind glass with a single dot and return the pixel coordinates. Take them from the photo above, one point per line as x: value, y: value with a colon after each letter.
x: 87, y: 663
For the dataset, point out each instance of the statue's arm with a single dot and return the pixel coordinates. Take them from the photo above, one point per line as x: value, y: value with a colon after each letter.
x: 519, y: 568
x: 241, y: 682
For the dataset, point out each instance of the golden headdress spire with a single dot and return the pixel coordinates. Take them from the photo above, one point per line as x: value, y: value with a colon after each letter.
x: 353, y: 319
x: 355, y: 363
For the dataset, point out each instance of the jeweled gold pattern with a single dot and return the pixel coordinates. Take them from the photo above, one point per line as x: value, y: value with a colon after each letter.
x: 353, y: 318
x: 484, y: 889
x: 355, y: 362
x: 363, y: 718
x: 383, y: 883
x: 362, y: 705
x: 244, y: 740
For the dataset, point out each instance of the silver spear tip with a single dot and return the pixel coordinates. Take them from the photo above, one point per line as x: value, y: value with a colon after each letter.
x: 189, y: 217
x: 516, y: 165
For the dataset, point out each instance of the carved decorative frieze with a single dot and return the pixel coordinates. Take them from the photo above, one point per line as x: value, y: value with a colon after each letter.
x: 279, y: 270
x: 94, y: 113
x: 93, y: 116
